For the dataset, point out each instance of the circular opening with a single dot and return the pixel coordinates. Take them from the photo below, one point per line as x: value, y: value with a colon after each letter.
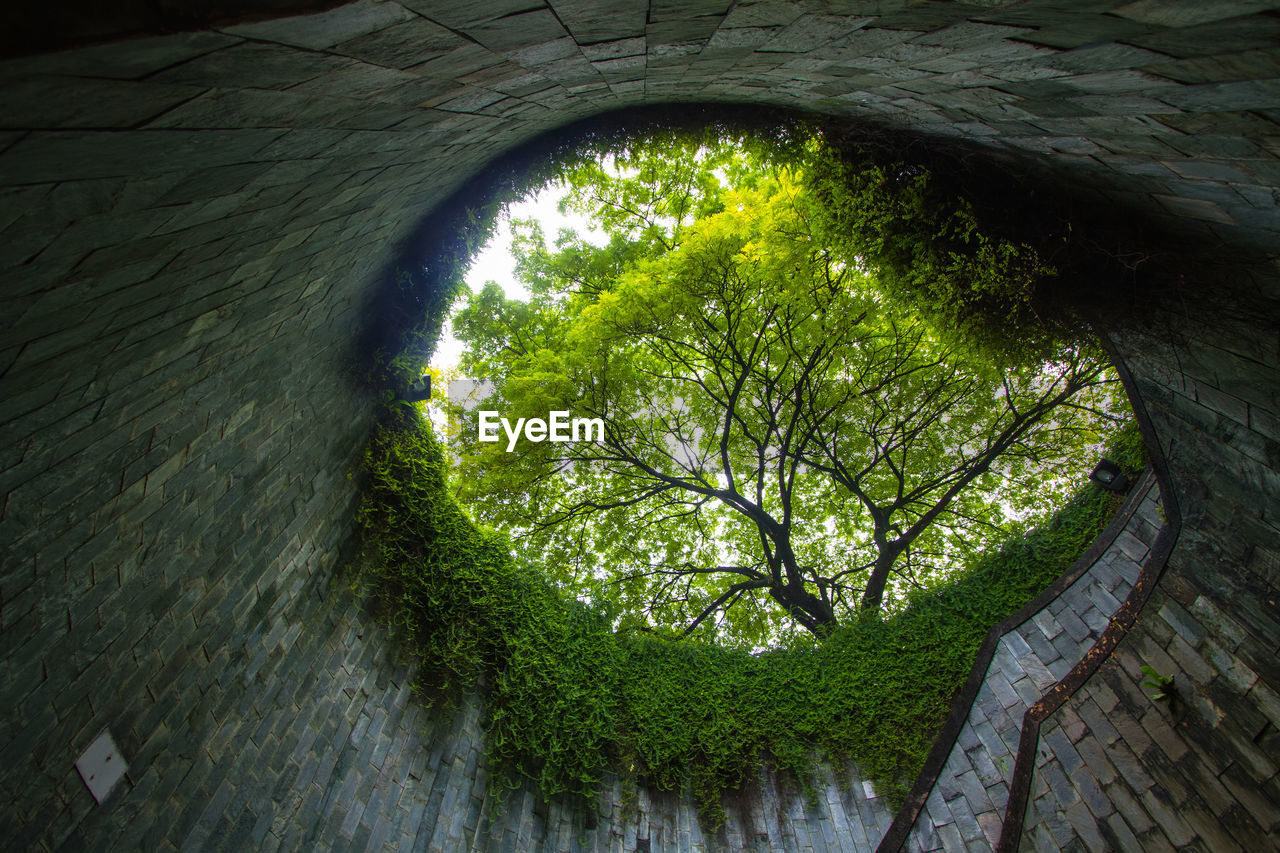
x: 713, y: 402
x: 753, y: 471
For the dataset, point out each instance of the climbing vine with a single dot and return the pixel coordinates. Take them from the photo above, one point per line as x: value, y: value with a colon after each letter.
x: 567, y: 699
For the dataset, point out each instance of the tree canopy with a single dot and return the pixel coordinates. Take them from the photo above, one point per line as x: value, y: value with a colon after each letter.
x: 787, y: 442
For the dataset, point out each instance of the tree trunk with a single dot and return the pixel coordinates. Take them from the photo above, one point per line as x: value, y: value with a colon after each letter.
x: 873, y: 595
x: 805, y: 607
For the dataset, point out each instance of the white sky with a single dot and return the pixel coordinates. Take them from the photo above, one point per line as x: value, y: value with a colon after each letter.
x: 494, y: 262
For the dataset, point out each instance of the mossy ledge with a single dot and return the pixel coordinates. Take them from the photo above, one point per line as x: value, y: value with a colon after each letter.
x: 568, y: 700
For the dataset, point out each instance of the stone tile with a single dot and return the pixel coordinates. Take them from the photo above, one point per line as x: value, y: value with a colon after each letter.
x: 1029, y: 692
x: 1100, y: 726
x: 1064, y: 752
x: 1068, y: 656
x: 1182, y: 622
x: 327, y: 28
x: 1095, y: 620
x: 1103, y: 600
x: 1074, y: 627
x: 1165, y: 814
x: 1037, y: 673
x: 1048, y: 625
x: 1004, y: 692
x: 1131, y: 769
x: 1045, y: 651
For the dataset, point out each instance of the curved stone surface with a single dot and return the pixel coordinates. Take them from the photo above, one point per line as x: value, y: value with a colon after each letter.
x: 966, y: 807
x: 193, y: 231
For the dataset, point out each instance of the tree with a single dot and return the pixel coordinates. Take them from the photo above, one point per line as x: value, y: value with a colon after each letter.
x: 778, y: 435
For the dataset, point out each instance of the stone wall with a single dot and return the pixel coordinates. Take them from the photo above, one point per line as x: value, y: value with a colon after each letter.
x: 193, y: 231
x: 311, y: 739
x: 1200, y: 772
x: 966, y: 804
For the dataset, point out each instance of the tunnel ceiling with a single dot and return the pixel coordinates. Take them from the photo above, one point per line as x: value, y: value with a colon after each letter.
x: 36, y: 28
x: 1166, y: 108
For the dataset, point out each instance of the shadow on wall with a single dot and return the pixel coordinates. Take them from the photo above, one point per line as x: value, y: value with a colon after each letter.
x: 32, y: 28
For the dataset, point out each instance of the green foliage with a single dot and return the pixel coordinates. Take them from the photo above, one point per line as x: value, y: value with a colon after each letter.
x: 421, y: 287
x: 931, y: 250
x: 567, y: 698
x: 783, y: 443
x: 463, y: 610
x: 1161, y: 686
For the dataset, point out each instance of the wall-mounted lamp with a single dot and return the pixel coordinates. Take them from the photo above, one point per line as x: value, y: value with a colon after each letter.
x: 102, y: 766
x: 1107, y: 474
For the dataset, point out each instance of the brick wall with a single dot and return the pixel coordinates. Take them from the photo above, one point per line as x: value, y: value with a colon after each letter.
x: 1198, y: 772
x: 966, y: 806
x: 192, y: 233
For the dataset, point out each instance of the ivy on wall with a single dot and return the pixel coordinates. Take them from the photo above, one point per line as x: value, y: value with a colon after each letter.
x: 567, y: 699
